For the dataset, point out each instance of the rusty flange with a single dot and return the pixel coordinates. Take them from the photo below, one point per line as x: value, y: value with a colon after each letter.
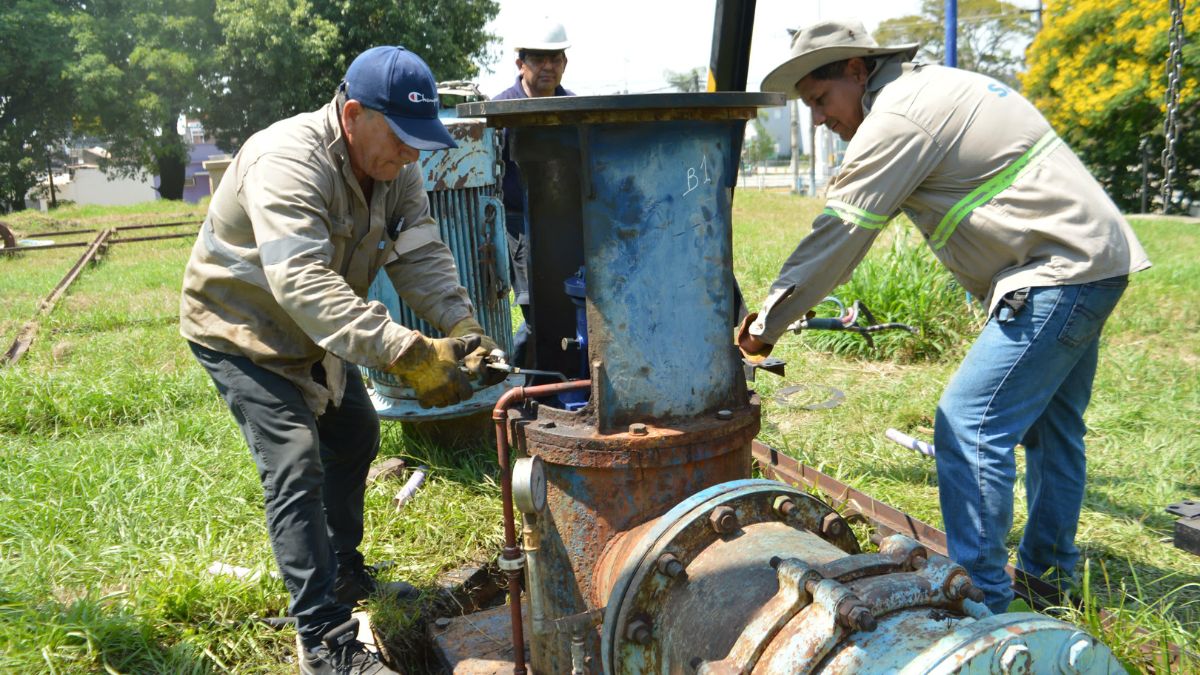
x: 723, y: 538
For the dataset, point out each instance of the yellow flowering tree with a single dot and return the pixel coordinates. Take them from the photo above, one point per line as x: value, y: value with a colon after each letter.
x: 1097, y: 70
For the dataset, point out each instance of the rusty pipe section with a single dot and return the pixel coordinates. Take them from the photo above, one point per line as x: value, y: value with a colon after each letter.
x: 755, y: 576
x: 511, y: 559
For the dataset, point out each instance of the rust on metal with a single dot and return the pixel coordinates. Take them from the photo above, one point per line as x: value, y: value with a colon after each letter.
x: 7, y: 239
x: 119, y: 228
x: 28, y: 332
x: 1036, y: 592
x: 114, y: 240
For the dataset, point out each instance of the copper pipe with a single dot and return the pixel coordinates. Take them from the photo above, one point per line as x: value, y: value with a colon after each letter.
x: 513, y: 397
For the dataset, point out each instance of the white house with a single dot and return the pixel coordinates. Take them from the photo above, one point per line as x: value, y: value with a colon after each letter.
x: 85, y: 183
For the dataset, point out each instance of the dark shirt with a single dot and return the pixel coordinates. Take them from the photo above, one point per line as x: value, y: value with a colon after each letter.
x: 514, y: 195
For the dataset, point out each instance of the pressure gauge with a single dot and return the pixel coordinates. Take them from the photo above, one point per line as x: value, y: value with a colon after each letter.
x: 529, y: 485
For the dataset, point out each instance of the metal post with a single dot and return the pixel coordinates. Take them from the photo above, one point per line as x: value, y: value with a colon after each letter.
x: 794, y: 112
x: 812, y: 160
x: 952, y: 33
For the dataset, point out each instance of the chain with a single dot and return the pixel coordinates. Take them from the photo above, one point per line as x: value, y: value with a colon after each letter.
x: 498, y: 139
x: 1171, y: 124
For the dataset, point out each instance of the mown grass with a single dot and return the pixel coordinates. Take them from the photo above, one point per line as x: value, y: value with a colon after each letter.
x: 122, y: 476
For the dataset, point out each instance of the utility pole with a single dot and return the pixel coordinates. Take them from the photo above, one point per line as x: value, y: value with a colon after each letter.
x: 794, y: 109
x: 50, y: 177
x: 952, y: 33
x: 812, y: 160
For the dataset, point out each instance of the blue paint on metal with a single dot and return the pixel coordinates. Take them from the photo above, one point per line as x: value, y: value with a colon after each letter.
x: 471, y: 165
x: 658, y: 246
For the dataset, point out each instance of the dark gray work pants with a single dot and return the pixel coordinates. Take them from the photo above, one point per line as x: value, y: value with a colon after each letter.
x: 313, y: 471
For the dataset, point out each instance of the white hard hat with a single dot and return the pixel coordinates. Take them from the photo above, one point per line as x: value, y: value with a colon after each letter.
x: 543, y: 36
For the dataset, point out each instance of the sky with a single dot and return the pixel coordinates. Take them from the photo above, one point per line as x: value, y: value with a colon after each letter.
x: 627, y: 45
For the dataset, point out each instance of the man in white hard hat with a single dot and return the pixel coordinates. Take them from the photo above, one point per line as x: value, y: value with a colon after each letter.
x: 541, y: 61
x: 274, y: 307
x: 1011, y: 211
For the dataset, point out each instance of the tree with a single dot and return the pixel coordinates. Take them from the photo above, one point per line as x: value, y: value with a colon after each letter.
x: 760, y: 147
x: 689, y: 82
x: 1098, y: 72
x: 283, y: 57
x: 35, y: 98
x: 992, y: 35
x: 140, y: 64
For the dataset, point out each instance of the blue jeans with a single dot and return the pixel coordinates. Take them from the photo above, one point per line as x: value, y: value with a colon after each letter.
x: 313, y: 471
x: 1027, y: 380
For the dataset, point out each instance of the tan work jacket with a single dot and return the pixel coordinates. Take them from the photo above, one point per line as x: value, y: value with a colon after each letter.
x: 998, y: 196
x: 281, y: 268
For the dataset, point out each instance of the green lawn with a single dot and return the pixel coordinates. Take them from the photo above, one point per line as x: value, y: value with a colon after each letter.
x: 122, y: 476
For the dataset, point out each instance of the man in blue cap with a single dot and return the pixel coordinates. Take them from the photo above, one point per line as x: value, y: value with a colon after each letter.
x: 274, y: 307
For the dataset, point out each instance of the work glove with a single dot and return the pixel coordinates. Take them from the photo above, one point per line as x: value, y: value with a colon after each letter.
x: 431, y: 368
x: 741, y: 336
x: 476, y: 362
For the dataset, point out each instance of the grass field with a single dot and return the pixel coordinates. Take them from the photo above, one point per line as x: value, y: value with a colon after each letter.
x: 123, y: 478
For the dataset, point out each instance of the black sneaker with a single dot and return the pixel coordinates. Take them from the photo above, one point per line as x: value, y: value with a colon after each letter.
x: 340, y: 653
x: 358, y: 583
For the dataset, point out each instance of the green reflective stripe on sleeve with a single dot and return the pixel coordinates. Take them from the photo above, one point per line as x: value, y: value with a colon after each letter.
x: 993, y: 187
x: 855, y: 215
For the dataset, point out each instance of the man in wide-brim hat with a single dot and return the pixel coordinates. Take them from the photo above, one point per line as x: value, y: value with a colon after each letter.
x: 1011, y: 211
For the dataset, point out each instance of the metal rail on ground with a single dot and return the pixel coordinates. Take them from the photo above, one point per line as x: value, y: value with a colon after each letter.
x: 29, y: 331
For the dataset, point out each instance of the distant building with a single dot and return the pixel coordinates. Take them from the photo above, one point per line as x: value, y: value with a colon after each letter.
x: 81, y: 181
x: 201, y: 149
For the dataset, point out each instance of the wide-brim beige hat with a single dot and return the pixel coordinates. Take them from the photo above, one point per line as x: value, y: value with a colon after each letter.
x: 823, y: 43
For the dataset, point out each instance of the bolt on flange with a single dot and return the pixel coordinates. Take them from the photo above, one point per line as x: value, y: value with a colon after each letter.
x: 784, y: 505
x: 832, y: 525
x: 671, y: 566
x: 638, y: 631
x: 724, y: 520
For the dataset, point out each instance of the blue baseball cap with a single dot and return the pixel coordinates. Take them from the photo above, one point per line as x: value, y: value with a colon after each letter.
x: 398, y: 84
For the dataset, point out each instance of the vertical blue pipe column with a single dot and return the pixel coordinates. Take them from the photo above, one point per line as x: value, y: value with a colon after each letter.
x: 952, y: 33
x: 658, y: 250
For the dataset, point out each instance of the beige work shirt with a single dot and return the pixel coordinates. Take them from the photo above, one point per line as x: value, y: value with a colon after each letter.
x: 281, y: 267
x: 1000, y: 199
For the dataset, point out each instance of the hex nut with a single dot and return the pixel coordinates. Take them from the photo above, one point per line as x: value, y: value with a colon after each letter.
x: 832, y: 525
x: 1015, y: 658
x: 958, y: 587
x: 638, y: 429
x: 862, y: 619
x: 1080, y: 656
x: 638, y: 631
x: 784, y: 505
x: 724, y: 520
x: 671, y: 566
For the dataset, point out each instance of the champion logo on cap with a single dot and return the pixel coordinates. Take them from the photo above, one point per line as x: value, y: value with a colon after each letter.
x: 418, y: 97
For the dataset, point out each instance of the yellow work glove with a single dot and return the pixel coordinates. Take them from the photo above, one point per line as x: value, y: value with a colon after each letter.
x: 431, y: 368
x: 476, y: 362
x: 741, y: 337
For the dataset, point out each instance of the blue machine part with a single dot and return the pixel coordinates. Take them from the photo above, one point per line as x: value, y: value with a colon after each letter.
x: 658, y: 248
x: 463, y: 188
x: 576, y: 288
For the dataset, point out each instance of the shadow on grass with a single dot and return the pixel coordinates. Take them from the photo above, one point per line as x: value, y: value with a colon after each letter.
x: 89, y: 636
x: 463, y: 453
